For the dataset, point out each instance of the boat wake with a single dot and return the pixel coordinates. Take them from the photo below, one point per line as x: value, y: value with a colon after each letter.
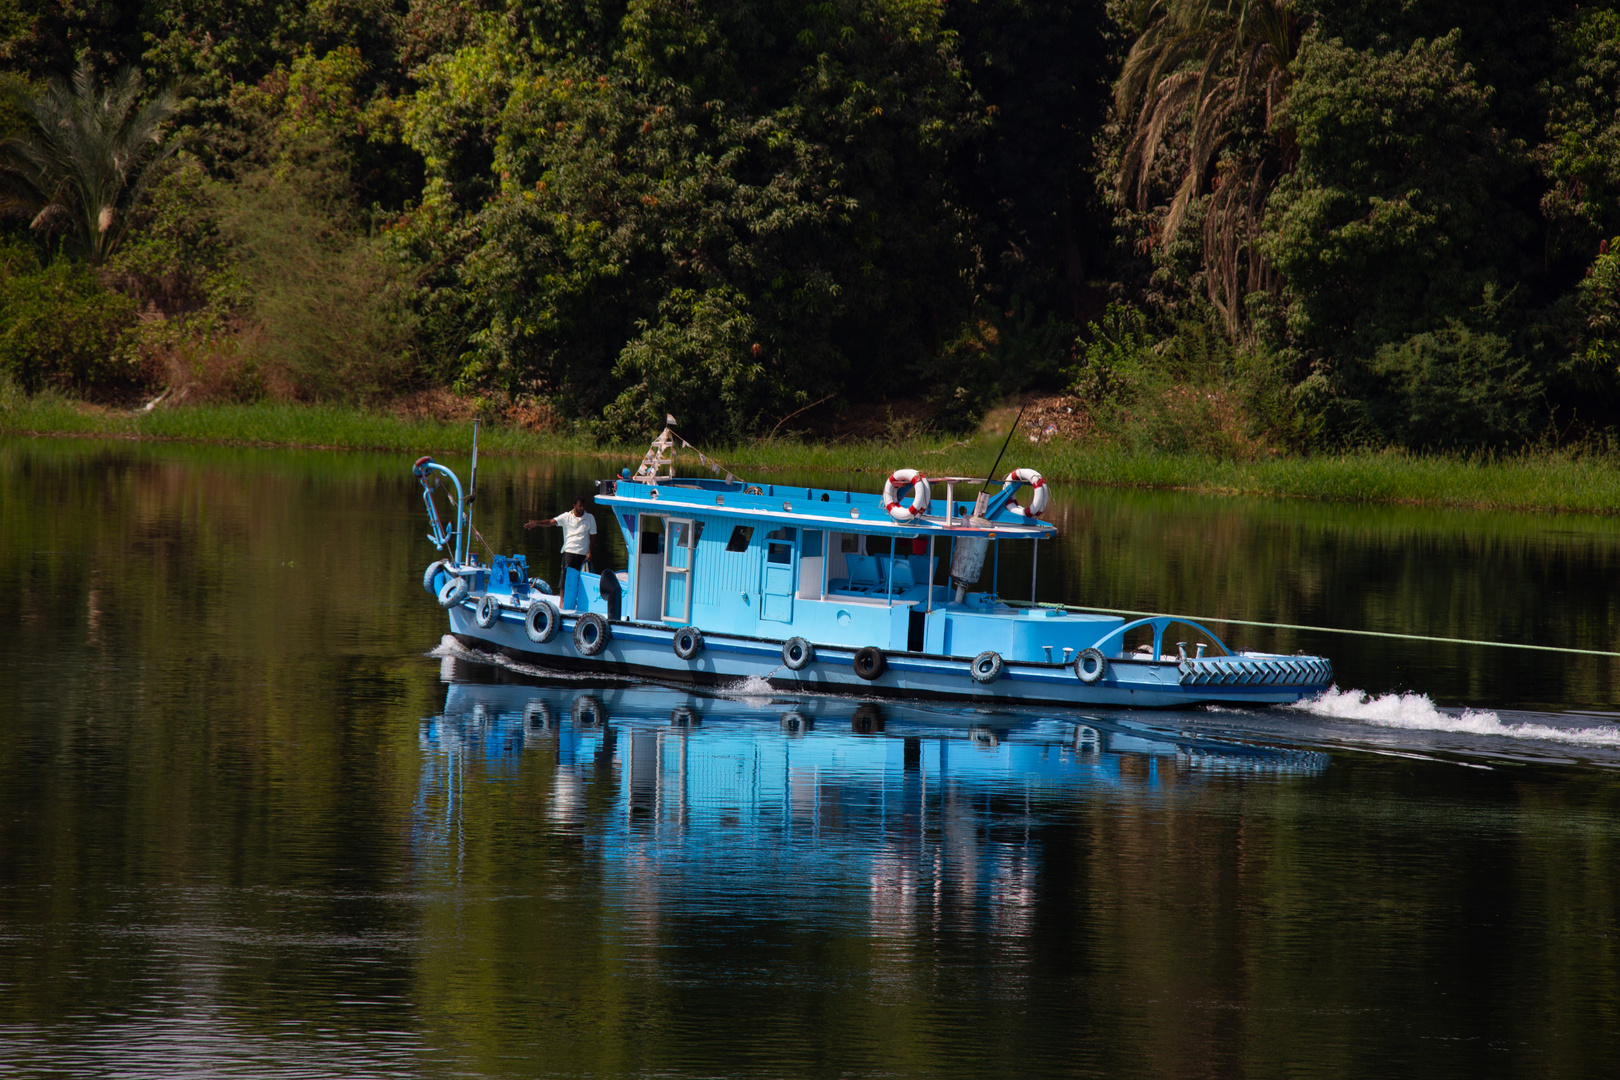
x: 1416, y: 712
x: 451, y: 650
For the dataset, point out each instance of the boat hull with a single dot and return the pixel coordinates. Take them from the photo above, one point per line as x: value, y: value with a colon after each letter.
x: 645, y: 650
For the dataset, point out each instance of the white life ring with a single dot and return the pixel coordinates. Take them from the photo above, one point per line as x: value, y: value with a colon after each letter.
x: 1037, y: 501
x: 921, y: 495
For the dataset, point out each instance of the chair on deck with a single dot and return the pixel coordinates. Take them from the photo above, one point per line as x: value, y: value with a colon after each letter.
x: 902, y: 576
x: 919, y: 568
x: 863, y: 572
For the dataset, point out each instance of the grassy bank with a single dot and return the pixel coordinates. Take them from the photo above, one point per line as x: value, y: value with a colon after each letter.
x: 1531, y: 480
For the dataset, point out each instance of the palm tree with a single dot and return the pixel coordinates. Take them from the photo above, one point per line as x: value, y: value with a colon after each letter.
x: 1196, y: 69
x: 88, y: 158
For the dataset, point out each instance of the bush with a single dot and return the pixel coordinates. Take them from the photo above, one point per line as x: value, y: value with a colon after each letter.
x: 1455, y: 389
x: 697, y: 362
x: 327, y: 310
x: 59, y: 327
x: 1600, y: 308
x: 1177, y: 394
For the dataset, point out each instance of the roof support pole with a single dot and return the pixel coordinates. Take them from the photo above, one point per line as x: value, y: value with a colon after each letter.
x: 1034, y: 555
x: 888, y: 586
x: 932, y: 570
x: 826, y: 557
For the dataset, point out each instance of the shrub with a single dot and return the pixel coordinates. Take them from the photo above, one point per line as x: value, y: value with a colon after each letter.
x: 695, y: 361
x: 327, y: 307
x: 1177, y: 394
x: 1600, y: 307
x: 59, y: 327
x: 1455, y: 389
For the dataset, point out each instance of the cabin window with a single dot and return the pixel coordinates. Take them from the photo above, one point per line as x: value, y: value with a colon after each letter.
x: 784, y: 533
x: 740, y: 536
x: 652, y: 536
x: 851, y: 543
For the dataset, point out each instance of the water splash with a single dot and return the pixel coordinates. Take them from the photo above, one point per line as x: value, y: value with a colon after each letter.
x: 1416, y: 712
x: 449, y: 646
x: 754, y: 687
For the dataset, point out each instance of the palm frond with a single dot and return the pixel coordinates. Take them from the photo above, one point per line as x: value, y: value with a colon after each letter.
x: 1194, y: 69
x: 88, y: 159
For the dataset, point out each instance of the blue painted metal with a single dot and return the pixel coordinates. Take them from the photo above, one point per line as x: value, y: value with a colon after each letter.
x: 751, y: 565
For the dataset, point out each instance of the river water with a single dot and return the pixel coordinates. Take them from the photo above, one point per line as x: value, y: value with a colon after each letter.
x: 257, y: 817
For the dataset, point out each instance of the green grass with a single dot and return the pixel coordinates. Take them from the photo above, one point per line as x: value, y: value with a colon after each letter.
x: 273, y: 424
x: 1533, y: 480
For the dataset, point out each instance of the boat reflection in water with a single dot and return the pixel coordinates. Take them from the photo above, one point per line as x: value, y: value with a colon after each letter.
x: 707, y: 781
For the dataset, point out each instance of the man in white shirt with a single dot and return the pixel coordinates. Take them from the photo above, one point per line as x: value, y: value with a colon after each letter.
x: 579, y: 535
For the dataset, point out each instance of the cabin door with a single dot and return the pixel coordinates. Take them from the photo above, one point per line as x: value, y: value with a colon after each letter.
x: 649, y: 581
x: 679, y: 547
x: 781, y: 555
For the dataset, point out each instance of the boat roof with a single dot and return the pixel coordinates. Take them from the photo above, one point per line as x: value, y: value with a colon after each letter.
x: 811, y: 507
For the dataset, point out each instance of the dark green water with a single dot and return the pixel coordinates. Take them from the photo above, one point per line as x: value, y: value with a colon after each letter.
x: 247, y: 828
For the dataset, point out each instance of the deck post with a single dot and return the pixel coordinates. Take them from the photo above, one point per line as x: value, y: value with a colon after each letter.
x: 888, y: 586
x: 932, y: 570
x: 826, y: 557
x: 1034, y: 555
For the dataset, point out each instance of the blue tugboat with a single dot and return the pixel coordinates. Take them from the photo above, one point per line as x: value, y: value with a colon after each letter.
x: 822, y: 590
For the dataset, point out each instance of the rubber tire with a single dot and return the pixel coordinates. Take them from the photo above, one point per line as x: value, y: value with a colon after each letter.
x: 796, y: 723
x: 537, y: 633
x: 870, y: 663
x: 588, y: 711
x: 488, y: 613
x: 1097, y: 658
x: 986, y: 667
x: 798, y: 653
x: 687, y: 642
x: 433, y: 572
x: 684, y: 717
x: 590, y: 634
x: 452, y: 592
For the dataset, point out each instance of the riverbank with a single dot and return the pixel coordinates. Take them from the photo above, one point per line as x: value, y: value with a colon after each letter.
x: 1537, y: 480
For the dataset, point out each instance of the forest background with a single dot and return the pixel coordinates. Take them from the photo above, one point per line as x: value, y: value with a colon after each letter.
x: 1231, y: 228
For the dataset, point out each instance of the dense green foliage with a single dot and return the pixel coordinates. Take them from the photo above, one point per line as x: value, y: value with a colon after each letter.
x: 61, y: 329
x: 1318, y: 223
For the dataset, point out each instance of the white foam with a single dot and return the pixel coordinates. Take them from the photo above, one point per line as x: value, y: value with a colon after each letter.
x: 449, y: 646
x: 451, y: 649
x: 1415, y: 712
x: 752, y: 688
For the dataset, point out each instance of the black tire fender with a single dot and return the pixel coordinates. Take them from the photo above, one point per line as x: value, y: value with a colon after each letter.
x: 870, y: 663
x: 687, y: 642
x: 797, y: 653
x: 452, y: 592
x: 590, y: 634
x: 540, y: 623
x: 1091, y: 665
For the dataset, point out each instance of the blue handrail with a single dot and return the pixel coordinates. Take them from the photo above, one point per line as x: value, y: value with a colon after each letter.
x: 455, y: 536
